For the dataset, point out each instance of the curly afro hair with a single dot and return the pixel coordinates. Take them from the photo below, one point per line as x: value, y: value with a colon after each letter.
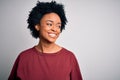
x: 40, y: 10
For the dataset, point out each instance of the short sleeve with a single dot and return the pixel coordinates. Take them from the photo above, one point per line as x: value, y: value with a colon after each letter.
x: 13, y: 74
x: 75, y: 72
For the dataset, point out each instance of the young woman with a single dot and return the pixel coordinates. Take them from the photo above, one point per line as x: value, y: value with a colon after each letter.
x: 47, y: 60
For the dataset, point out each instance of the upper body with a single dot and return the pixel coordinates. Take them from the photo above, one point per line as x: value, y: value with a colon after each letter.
x: 34, y: 65
x: 47, y: 60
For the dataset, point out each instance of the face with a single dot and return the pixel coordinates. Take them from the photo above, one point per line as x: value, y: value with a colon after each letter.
x: 49, y: 27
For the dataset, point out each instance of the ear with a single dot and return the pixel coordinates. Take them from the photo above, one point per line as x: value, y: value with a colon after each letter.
x: 37, y: 27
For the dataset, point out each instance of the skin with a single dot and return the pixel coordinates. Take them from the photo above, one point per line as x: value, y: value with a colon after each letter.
x: 49, y: 31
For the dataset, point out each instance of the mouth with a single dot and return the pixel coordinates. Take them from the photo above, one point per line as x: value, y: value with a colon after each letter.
x: 53, y: 35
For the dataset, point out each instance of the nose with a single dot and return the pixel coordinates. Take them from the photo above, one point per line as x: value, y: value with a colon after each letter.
x: 54, y: 28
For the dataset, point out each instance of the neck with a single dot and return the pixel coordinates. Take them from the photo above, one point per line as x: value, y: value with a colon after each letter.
x: 47, y: 47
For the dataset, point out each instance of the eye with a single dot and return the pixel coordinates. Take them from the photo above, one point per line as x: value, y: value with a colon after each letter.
x: 49, y: 24
x: 59, y: 26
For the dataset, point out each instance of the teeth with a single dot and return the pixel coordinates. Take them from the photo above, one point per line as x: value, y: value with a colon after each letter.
x: 52, y: 35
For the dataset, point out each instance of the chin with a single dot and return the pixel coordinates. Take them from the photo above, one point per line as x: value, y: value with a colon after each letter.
x: 51, y: 40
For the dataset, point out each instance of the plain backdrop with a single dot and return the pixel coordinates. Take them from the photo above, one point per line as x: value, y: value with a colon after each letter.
x: 92, y: 33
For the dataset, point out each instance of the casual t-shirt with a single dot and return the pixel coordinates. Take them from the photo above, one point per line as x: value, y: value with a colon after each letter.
x: 34, y: 65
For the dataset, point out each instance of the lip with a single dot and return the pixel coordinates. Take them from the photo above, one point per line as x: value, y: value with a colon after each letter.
x: 53, y: 35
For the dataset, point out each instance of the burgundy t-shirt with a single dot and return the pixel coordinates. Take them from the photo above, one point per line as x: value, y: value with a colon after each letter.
x: 33, y: 65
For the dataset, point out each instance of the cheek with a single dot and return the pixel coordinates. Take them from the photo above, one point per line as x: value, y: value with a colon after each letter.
x: 58, y: 31
x: 44, y: 29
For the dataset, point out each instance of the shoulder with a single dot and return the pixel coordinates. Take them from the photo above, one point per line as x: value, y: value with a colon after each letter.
x: 26, y: 53
x: 68, y: 52
x: 69, y: 55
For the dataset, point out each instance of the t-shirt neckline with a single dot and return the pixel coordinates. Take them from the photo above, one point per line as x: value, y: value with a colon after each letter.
x: 40, y: 53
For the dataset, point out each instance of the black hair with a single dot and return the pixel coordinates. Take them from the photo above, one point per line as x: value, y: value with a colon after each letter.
x: 40, y: 10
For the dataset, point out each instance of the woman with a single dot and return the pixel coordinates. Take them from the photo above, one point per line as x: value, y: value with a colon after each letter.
x: 47, y: 60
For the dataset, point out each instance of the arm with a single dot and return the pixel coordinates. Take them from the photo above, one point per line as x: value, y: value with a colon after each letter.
x: 75, y: 73
x: 13, y: 74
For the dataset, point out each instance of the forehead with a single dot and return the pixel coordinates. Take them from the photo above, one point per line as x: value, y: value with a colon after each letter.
x: 52, y: 17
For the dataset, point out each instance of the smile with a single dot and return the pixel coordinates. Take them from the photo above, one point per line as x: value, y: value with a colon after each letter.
x: 52, y: 35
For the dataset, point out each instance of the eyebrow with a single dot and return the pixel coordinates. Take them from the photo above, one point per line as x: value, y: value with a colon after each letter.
x: 52, y: 21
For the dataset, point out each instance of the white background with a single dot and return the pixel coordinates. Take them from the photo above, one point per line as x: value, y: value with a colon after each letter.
x: 92, y: 33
